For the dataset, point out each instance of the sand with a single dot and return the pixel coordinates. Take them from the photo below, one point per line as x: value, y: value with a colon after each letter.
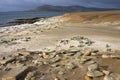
x: 46, y: 33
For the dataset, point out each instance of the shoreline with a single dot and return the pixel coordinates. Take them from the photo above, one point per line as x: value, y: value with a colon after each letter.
x: 57, y: 48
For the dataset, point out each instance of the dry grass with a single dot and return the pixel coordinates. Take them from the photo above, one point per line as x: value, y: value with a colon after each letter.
x: 96, y: 17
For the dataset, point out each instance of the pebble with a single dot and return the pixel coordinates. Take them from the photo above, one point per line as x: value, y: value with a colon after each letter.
x: 30, y: 76
x: 70, y: 66
x: 112, y: 76
x: 88, y: 78
x: 93, y: 67
x: 94, y: 74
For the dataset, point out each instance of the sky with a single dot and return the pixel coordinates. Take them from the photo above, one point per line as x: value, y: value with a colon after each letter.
x: 16, y: 5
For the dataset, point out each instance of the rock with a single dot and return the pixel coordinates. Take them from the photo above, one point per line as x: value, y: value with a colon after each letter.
x: 88, y: 78
x: 60, y: 72
x: 83, y: 60
x: 16, y: 73
x: 56, y: 59
x: 106, y: 72
x: 87, y: 53
x: 105, y: 56
x: 23, y: 59
x: 91, y: 62
x: 94, y: 74
x: 94, y: 54
x: 56, y: 79
x: 112, y: 76
x: 45, y: 55
x: 30, y: 76
x: 78, y: 54
x: 93, y: 67
x: 25, y: 53
x: 7, y: 60
x: 70, y: 66
x: 38, y: 62
x: 117, y: 56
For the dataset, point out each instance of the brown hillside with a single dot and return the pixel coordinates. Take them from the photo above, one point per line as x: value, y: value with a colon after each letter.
x: 104, y: 16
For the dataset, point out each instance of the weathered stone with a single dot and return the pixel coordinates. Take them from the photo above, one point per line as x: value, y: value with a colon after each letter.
x: 83, y: 60
x: 112, y: 76
x: 117, y: 56
x: 78, y: 54
x: 94, y: 74
x: 56, y: 59
x: 70, y: 66
x: 38, y: 62
x: 30, y: 76
x: 88, y: 78
x: 105, y: 56
x: 87, y: 53
x: 7, y: 60
x: 61, y: 72
x: 23, y: 58
x: 16, y: 73
x: 25, y: 53
x: 106, y: 72
x: 93, y: 67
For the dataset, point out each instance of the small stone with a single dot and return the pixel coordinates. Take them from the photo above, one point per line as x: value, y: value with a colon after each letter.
x: 94, y: 54
x: 112, y: 76
x: 106, y: 72
x: 38, y: 62
x: 61, y: 72
x: 25, y: 53
x: 30, y: 75
x: 88, y: 78
x: 94, y: 74
x: 56, y: 59
x: 56, y: 79
x: 78, y: 54
x: 87, y: 53
x: 117, y: 56
x: 16, y: 73
x: 83, y: 60
x: 23, y: 59
x: 93, y: 67
x: 105, y: 56
x: 70, y: 66
x: 7, y: 60
x: 91, y: 62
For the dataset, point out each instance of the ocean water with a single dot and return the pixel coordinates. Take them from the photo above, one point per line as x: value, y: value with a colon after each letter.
x: 6, y: 17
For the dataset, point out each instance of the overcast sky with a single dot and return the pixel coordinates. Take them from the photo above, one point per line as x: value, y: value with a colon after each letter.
x: 13, y: 5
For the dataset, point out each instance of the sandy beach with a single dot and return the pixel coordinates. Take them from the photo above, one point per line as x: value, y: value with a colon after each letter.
x: 45, y: 33
x: 103, y: 28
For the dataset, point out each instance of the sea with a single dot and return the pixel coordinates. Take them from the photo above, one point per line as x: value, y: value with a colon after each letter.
x: 6, y: 17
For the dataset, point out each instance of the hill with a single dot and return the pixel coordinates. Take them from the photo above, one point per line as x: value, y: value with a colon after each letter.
x: 66, y: 8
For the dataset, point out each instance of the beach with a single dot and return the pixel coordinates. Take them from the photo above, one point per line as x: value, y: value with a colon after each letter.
x: 100, y: 29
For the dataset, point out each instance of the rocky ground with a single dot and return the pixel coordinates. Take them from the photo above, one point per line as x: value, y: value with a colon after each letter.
x: 60, y: 48
x: 71, y: 59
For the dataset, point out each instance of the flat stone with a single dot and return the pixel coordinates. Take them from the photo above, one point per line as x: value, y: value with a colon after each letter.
x: 25, y: 53
x: 93, y: 67
x: 7, y: 60
x: 112, y: 76
x: 94, y: 74
x: 16, y: 73
x: 88, y: 78
x: 70, y: 66
x: 87, y: 53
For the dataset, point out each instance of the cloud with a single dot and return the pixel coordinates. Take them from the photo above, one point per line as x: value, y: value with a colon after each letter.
x: 9, y: 5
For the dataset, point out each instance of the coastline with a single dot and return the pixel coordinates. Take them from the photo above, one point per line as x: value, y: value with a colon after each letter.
x: 62, y: 47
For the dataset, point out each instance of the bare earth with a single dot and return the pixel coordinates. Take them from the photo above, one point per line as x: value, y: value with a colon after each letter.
x: 101, y: 27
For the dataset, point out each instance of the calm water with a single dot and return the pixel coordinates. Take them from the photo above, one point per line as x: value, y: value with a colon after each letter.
x: 11, y: 16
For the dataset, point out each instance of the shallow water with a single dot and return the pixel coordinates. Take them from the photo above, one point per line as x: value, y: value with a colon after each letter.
x: 6, y: 17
